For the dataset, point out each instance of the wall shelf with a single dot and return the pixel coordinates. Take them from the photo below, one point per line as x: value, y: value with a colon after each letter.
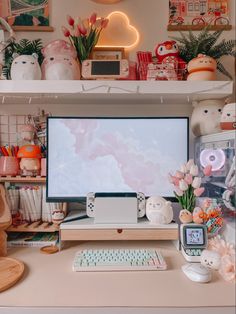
x: 115, y: 92
x: 19, y: 179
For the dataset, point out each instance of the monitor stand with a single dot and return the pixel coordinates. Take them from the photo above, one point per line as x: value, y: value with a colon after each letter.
x: 87, y: 230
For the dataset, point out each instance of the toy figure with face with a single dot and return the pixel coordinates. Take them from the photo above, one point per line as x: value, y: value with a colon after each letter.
x: 158, y: 210
x: 206, y: 117
x: 25, y: 67
x: 211, y: 259
x: 168, y: 53
x: 228, y: 118
x: 60, y: 61
x: 185, y: 216
x: 202, y: 68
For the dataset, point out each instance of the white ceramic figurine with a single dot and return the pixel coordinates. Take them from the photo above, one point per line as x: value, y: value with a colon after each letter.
x: 158, y: 210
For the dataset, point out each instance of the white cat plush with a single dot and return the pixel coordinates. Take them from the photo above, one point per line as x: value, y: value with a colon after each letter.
x: 25, y: 67
x: 158, y: 210
x: 206, y: 116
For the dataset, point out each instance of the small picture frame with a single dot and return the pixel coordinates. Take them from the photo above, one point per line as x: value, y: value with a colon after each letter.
x: 108, y: 53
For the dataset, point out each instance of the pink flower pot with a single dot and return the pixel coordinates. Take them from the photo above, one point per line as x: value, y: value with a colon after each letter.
x: 9, y: 166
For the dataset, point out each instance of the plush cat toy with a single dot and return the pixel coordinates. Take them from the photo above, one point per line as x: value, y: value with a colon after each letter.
x: 25, y: 67
x: 158, y: 210
x: 206, y: 117
x: 60, y: 61
x: 228, y: 118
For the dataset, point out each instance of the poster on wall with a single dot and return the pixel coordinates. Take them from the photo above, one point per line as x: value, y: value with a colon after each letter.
x: 26, y: 15
x: 197, y: 14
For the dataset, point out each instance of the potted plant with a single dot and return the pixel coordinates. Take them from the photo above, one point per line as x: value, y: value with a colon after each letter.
x: 207, y: 43
x: 23, y: 47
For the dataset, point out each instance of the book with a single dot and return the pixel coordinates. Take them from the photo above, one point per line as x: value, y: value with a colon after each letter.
x: 32, y: 239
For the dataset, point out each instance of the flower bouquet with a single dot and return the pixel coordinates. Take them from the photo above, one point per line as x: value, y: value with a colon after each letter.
x: 84, y: 34
x: 187, y: 186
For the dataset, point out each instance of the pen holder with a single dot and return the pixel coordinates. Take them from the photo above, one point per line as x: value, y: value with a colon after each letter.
x: 9, y: 166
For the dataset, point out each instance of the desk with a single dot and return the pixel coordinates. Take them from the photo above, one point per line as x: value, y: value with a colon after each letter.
x: 50, y: 283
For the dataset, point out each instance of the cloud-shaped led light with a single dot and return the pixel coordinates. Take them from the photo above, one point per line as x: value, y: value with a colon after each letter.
x: 119, y: 33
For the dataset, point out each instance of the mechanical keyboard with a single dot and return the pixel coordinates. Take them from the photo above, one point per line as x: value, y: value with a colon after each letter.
x: 118, y: 260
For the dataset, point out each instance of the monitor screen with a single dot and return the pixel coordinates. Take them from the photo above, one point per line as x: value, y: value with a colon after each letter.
x: 113, y: 155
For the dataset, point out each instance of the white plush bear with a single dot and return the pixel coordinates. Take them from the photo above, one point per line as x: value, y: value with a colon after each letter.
x: 206, y: 116
x: 25, y: 67
x: 228, y: 118
x: 158, y: 210
x: 211, y: 259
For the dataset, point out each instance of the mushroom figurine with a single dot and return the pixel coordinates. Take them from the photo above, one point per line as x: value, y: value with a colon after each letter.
x: 30, y: 160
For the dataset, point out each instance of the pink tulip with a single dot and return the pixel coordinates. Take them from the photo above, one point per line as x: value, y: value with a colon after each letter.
x: 196, y: 182
x: 77, y: 32
x: 194, y: 170
x: 82, y: 29
x: 104, y: 23
x: 208, y: 170
x: 93, y: 18
x: 189, y: 164
x: 173, y: 180
x: 183, y: 168
x: 178, y: 191
x: 65, y: 31
x: 198, y: 192
x: 188, y: 178
x: 179, y: 175
x: 183, y: 185
x: 70, y: 20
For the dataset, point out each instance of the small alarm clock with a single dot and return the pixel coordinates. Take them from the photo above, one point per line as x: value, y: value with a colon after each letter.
x: 193, y: 239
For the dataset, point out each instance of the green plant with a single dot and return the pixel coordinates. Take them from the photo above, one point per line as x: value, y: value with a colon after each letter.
x: 206, y: 42
x: 23, y: 47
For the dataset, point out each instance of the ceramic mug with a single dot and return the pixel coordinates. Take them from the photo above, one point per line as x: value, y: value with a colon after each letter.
x: 9, y: 166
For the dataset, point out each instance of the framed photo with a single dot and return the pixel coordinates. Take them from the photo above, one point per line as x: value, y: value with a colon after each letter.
x: 27, y: 15
x: 108, y: 53
x: 197, y: 14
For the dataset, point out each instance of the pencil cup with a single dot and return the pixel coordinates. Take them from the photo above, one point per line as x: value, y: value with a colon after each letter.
x: 9, y: 166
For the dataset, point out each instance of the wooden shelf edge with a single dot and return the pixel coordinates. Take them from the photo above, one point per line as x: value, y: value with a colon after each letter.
x: 33, y: 28
x: 38, y: 226
x: 19, y: 179
x: 173, y: 28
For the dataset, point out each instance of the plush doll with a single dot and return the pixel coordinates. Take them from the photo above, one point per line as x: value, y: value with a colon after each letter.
x: 25, y: 67
x: 211, y: 259
x: 158, y: 210
x: 168, y: 53
x: 228, y: 118
x: 202, y: 68
x: 60, y: 61
x: 185, y: 216
x: 206, y: 116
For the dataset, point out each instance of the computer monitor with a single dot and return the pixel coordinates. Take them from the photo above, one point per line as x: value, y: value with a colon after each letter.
x: 87, y: 154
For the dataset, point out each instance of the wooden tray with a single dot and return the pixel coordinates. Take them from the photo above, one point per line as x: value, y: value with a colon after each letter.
x: 11, y: 270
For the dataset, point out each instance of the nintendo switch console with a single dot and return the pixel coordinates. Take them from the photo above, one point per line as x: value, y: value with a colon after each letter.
x: 193, y: 238
x: 116, y: 207
x: 105, y: 69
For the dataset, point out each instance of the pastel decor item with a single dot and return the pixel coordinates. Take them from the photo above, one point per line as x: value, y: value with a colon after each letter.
x: 168, y: 53
x: 202, y: 68
x: 30, y: 159
x: 206, y: 116
x: 60, y: 61
x: 211, y: 259
x: 228, y: 118
x: 43, y: 167
x: 27, y: 133
x: 185, y: 216
x: 199, y: 216
x: 58, y: 216
x: 158, y: 210
x: 25, y: 67
x: 9, y: 166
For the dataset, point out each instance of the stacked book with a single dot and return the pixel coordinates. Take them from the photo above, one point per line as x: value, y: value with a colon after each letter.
x: 32, y: 239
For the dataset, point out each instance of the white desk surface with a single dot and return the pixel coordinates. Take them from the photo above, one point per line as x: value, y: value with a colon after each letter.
x: 50, y: 282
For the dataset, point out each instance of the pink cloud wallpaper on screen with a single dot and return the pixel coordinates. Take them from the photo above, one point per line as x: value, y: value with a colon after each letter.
x: 114, y: 155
